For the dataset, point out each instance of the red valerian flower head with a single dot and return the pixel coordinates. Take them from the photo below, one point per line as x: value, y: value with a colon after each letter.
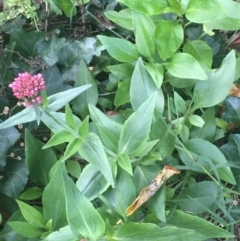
x: 26, y: 87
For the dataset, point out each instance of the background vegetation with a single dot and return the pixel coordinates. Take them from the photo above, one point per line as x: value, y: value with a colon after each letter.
x: 137, y: 136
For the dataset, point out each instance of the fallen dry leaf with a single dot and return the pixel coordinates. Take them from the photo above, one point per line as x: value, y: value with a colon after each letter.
x: 151, y: 189
x: 235, y: 91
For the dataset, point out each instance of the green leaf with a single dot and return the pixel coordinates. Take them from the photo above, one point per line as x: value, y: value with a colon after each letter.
x: 64, y: 233
x: 156, y: 72
x: 58, y: 138
x: 168, y: 38
x: 83, y: 218
x: 124, y: 162
x: 204, y: 230
x: 150, y: 231
x: 54, y: 199
x: 15, y: 177
x: 87, y: 182
x: 230, y: 21
x: 198, y: 152
x: 31, y: 193
x: 144, y: 29
x: 196, y: 120
x: 83, y: 127
x: 179, y: 103
x: 162, y: 131
x: 201, y: 51
x: 231, y: 112
x: 183, y: 65
x: 39, y: 161
x: 90, y: 96
x: 31, y: 215
x: 67, y: 6
x: 143, y: 175
x: 231, y: 151
x: 7, y: 138
x: 92, y: 150
x: 216, y: 88
x: 204, y: 194
x: 123, y: 194
x: 72, y: 148
x: 122, y: 96
x: 150, y: 7
x: 123, y: 18
x: 143, y: 86
x: 25, y: 229
x: 117, y: 70
x: 136, y: 128
x: 57, y: 101
x: 120, y: 49
x: 74, y: 168
x: 204, y: 11
x: 69, y: 117
x: 99, y: 118
x: 24, y: 116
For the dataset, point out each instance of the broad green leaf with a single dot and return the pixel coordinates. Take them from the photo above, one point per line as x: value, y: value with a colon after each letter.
x: 83, y: 218
x: 108, y: 139
x: 168, y: 38
x: 231, y: 151
x: 83, y: 127
x: 120, y: 49
x: 53, y: 199
x: 143, y: 175
x: 25, y: 229
x: 136, y: 128
x: 216, y: 88
x: 162, y: 131
x: 123, y: 194
x: 7, y: 138
x: 122, y: 96
x: 117, y: 70
x: 230, y: 21
x: 231, y: 112
x: 99, y: 118
x: 183, y: 65
x: 15, y: 177
x: 180, y: 83
x: 204, y: 230
x: 57, y: 101
x: 237, y: 70
x: 204, y: 194
x: 201, y: 51
x: 123, y: 18
x: 24, y: 116
x: 156, y: 72
x: 150, y: 231
x: 196, y: 120
x: 204, y: 11
x: 74, y: 168
x: 143, y: 86
x: 92, y: 150
x: 58, y: 138
x: 67, y: 6
x: 72, y: 147
x: 149, y: 7
x: 197, y: 152
x: 90, y: 96
x: 86, y: 183
x: 144, y: 28
x: 124, y: 162
x: 39, y: 161
x: 31, y: 193
x: 64, y: 233
x: 31, y: 215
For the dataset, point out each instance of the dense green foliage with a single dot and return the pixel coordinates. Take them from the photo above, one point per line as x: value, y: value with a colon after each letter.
x: 131, y: 87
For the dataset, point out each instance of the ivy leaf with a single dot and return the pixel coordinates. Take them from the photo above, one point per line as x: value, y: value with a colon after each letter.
x: 231, y: 112
x: 7, y: 138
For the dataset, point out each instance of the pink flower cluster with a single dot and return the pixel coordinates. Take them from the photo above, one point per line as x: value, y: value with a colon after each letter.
x: 26, y: 87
